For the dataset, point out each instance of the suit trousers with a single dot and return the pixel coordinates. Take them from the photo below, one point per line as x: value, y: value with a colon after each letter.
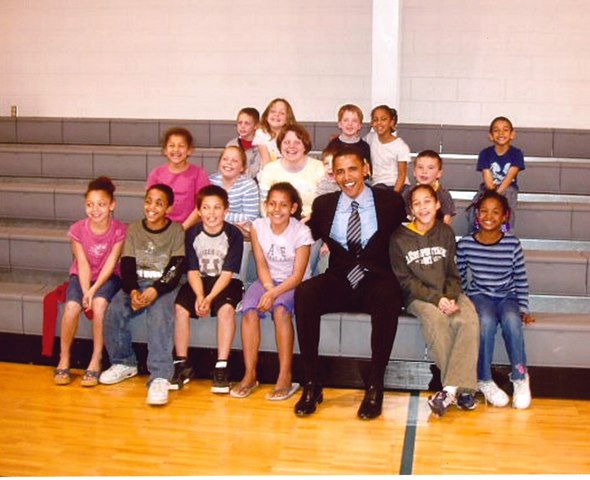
x: 378, y: 296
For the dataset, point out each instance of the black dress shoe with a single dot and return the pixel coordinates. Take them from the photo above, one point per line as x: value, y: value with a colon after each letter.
x: 371, y: 405
x: 311, y: 397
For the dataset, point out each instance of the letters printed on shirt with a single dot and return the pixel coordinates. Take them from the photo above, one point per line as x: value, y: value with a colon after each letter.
x: 426, y: 256
x: 211, y: 252
x: 277, y: 253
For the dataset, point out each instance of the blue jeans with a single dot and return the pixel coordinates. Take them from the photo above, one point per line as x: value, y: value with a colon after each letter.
x: 159, y: 318
x: 107, y: 291
x: 505, y: 312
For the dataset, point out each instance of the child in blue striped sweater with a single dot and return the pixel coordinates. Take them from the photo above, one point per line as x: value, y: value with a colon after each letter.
x: 493, y: 274
x: 242, y: 191
x: 243, y: 194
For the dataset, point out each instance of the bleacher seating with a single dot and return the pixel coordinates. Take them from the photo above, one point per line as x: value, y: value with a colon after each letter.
x: 45, y: 164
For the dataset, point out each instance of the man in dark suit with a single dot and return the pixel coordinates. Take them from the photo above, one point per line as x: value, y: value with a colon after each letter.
x: 356, y: 223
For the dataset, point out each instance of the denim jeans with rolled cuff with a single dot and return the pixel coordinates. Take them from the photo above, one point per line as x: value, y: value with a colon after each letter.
x: 503, y: 312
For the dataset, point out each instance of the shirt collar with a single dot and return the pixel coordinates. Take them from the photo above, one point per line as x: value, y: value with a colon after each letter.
x: 363, y: 199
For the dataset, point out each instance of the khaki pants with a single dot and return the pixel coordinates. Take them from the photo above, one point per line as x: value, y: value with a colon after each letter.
x: 452, y: 340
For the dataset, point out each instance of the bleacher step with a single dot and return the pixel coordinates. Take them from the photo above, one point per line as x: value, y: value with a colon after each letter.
x: 565, y: 336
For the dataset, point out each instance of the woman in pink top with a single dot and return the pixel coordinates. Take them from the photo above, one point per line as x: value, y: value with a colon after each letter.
x: 183, y: 177
x: 97, y: 242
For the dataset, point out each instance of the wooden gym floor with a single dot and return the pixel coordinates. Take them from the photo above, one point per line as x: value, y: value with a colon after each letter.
x: 46, y: 430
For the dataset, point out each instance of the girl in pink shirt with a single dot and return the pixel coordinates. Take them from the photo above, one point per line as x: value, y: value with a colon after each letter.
x: 184, y: 178
x: 97, y: 242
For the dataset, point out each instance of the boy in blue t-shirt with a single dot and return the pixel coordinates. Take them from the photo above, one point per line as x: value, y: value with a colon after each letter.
x: 500, y: 165
x: 214, y: 256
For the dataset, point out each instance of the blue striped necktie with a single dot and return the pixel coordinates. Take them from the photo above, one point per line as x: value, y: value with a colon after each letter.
x: 353, y: 239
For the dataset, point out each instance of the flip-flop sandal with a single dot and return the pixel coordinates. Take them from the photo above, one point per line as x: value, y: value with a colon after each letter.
x: 281, y: 394
x: 62, y: 376
x: 90, y: 378
x: 243, y: 392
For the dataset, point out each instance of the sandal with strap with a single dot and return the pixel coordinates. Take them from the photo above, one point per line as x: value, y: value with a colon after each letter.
x: 90, y: 378
x: 280, y: 394
x: 244, y: 391
x: 62, y: 376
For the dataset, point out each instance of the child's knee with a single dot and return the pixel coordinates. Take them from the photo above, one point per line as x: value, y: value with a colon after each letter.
x: 72, y: 310
x: 180, y: 312
x: 281, y: 314
x: 99, y: 305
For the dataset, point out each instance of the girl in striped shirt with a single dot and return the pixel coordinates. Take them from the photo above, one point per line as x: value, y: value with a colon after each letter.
x: 493, y: 274
x: 243, y: 193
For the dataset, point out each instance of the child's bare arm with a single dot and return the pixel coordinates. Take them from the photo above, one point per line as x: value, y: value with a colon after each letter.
x: 261, y: 266
x: 191, y: 220
x: 402, y: 173
x: 105, y: 273
x: 83, y: 265
x: 488, y: 179
x: 508, y: 179
x: 222, y: 282
x: 264, y: 155
x: 301, y: 259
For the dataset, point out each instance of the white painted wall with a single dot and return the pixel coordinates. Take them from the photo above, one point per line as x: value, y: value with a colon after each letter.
x: 467, y: 61
x: 198, y: 59
x: 462, y: 61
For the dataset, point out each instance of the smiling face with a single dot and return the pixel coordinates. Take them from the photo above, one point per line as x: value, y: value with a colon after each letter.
x: 427, y: 170
x: 382, y: 122
x: 231, y: 164
x: 277, y: 116
x: 502, y: 134
x: 292, y: 148
x: 99, y: 205
x: 350, y: 124
x: 156, y: 207
x: 177, y: 151
x: 212, y: 212
x: 279, y: 209
x: 491, y: 215
x: 349, y: 172
x: 424, y: 206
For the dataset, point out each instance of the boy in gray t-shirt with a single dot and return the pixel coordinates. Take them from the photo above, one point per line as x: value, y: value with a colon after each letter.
x: 152, y: 263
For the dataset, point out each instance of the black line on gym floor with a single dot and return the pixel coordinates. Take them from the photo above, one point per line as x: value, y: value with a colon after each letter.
x: 407, y: 463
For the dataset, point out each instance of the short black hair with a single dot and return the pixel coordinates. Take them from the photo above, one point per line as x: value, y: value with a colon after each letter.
x: 212, y: 191
x: 165, y: 189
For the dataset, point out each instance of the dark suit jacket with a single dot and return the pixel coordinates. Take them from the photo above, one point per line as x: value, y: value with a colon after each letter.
x: 391, y: 211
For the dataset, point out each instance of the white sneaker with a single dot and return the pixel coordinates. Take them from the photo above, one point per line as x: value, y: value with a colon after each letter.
x: 521, y: 398
x: 158, y: 392
x: 117, y: 373
x: 492, y: 393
